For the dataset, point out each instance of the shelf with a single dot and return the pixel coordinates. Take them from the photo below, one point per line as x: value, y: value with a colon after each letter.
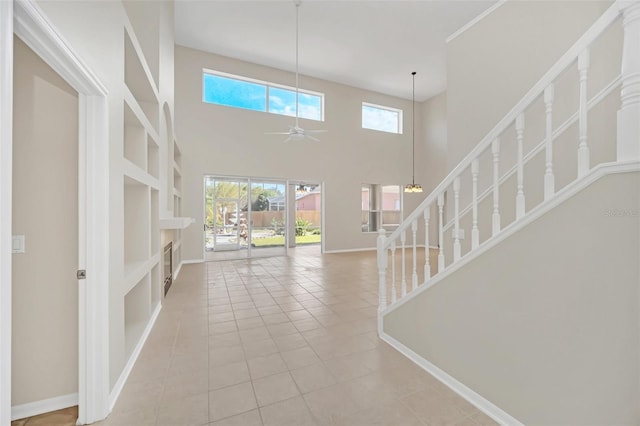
x: 134, y: 138
x: 153, y: 157
x: 137, y: 312
x: 176, y: 222
x: 139, y: 114
x: 177, y: 193
x: 177, y: 169
x: 134, y: 175
x: 155, y: 228
x: 138, y: 79
x: 136, y: 212
x: 135, y: 271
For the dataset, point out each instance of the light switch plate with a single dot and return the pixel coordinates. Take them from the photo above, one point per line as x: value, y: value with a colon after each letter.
x: 17, y: 244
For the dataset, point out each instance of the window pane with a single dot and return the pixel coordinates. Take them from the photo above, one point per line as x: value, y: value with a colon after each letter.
x: 282, y: 101
x: 385, y: 120
x: 310, y: 106
x: 391, y: 197
x: 234, y: 93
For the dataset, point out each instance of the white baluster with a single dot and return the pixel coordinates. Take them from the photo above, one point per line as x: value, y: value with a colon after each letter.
x: 549, y: 180
x: 414, y: 275
x: 441, y: 232
x: 628, y: 148
x: 475, y: 234
x: 403, y: 283
x: 393, y: 272
x: 583, y: 149
x: 427, y: 265
x: 456, y: 226
x: 382, y: 271
x: 520, y: 195
x: 495, y: 217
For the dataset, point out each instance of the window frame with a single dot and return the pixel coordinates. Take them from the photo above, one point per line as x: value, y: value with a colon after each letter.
x: 267, y: 85
x: 398, y: 111
x: 379, y: 191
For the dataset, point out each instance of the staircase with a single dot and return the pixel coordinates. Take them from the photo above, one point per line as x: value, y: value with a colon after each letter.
x: 542, y: 255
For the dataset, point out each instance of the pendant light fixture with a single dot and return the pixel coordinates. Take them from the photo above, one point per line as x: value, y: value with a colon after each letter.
x: 413, y: 186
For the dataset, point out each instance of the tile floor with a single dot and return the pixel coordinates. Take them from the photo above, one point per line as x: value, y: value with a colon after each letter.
x: 280, y: 341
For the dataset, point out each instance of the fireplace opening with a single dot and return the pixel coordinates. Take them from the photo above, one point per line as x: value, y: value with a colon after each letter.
x: 168, y: 266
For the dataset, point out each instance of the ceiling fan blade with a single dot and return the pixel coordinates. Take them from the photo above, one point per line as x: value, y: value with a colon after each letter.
x: 316, y: 131
x: 277, y: 133
x: 287, y: 139
x: 312, y: 138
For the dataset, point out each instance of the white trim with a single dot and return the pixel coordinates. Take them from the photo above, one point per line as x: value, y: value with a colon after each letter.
x: 6, y: 147
x: 561, y: 196
x: 177, y: 271
x: 355, y: 250
x: 190, y: 261
x: 475, y: 20
x: 43, y: 406
x: 122, y: 380
x: 475, y: 399
x: 34, y: 28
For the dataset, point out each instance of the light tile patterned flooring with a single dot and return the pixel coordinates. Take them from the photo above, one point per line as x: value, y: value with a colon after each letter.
x: 280, y: 341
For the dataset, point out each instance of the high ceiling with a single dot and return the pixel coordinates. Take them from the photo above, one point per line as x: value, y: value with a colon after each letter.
x: 373, y: 45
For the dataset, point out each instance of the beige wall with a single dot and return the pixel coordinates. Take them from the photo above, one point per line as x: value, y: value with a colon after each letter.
x: 219, y: 140
x: 545, y: 324
x: 45, y: 211
x: 494, y: 63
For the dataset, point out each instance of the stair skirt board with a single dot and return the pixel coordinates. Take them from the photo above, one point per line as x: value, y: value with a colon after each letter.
x: 482, y: 404
x: 43, y: 406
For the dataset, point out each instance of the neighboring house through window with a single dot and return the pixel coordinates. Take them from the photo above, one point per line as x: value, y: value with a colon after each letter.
x: 381, y: 207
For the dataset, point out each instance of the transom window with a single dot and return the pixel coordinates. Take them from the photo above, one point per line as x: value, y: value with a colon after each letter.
x: 381, y: 207
x: 381, y: 118
x: 241, y: 92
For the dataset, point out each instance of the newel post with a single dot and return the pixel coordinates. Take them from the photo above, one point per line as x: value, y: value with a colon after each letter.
x: 382, y: 271
x: 628, y: 148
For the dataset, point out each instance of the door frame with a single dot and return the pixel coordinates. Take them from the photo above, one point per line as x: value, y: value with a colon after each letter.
x: 28, y: 21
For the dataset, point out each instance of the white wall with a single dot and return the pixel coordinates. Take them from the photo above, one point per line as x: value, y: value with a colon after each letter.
x: 227, y: 141
x: 45, y: 211
x: 545, y: 324
x: 494, y: 63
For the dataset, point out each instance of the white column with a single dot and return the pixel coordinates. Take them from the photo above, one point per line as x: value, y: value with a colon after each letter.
x: 414, y: 275
x: 382, y: 271
x: 520, y: 195
x: 475, y: 234
x: 456, y: 226
x: 427, y: 265
x: 495, y: 217
x: 583, y: 149
x: 393, y: 272
x: 628, y: 145
x: 549, y: 180
x: 441, y: 232
x: 403, y: 282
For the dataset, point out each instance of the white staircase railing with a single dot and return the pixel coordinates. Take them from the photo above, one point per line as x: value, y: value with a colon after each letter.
x: 504, y: 199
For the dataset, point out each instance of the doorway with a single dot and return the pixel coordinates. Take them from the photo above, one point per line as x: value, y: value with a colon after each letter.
x: 30, y: 24
x: 46, y: 230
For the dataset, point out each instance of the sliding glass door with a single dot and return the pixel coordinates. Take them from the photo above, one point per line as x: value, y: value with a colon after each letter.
x: 244, y: 217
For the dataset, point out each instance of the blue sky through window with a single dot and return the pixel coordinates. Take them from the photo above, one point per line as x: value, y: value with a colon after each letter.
x: 239, y: 93
x: 382, y: 119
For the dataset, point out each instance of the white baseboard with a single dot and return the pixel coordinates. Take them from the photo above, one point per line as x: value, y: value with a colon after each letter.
x: 115, y: 392
x: 350, y: 250
x: 189, y: 261
x: 43, y: 406
x: 482, y: 404
x: 177, y: 271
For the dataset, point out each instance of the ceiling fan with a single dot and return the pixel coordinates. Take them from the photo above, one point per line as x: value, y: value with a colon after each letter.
x: 297, y: 133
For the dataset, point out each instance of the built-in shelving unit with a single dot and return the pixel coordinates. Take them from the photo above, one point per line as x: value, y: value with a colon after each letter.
x: 141, y: 267
x: 177, y: 204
